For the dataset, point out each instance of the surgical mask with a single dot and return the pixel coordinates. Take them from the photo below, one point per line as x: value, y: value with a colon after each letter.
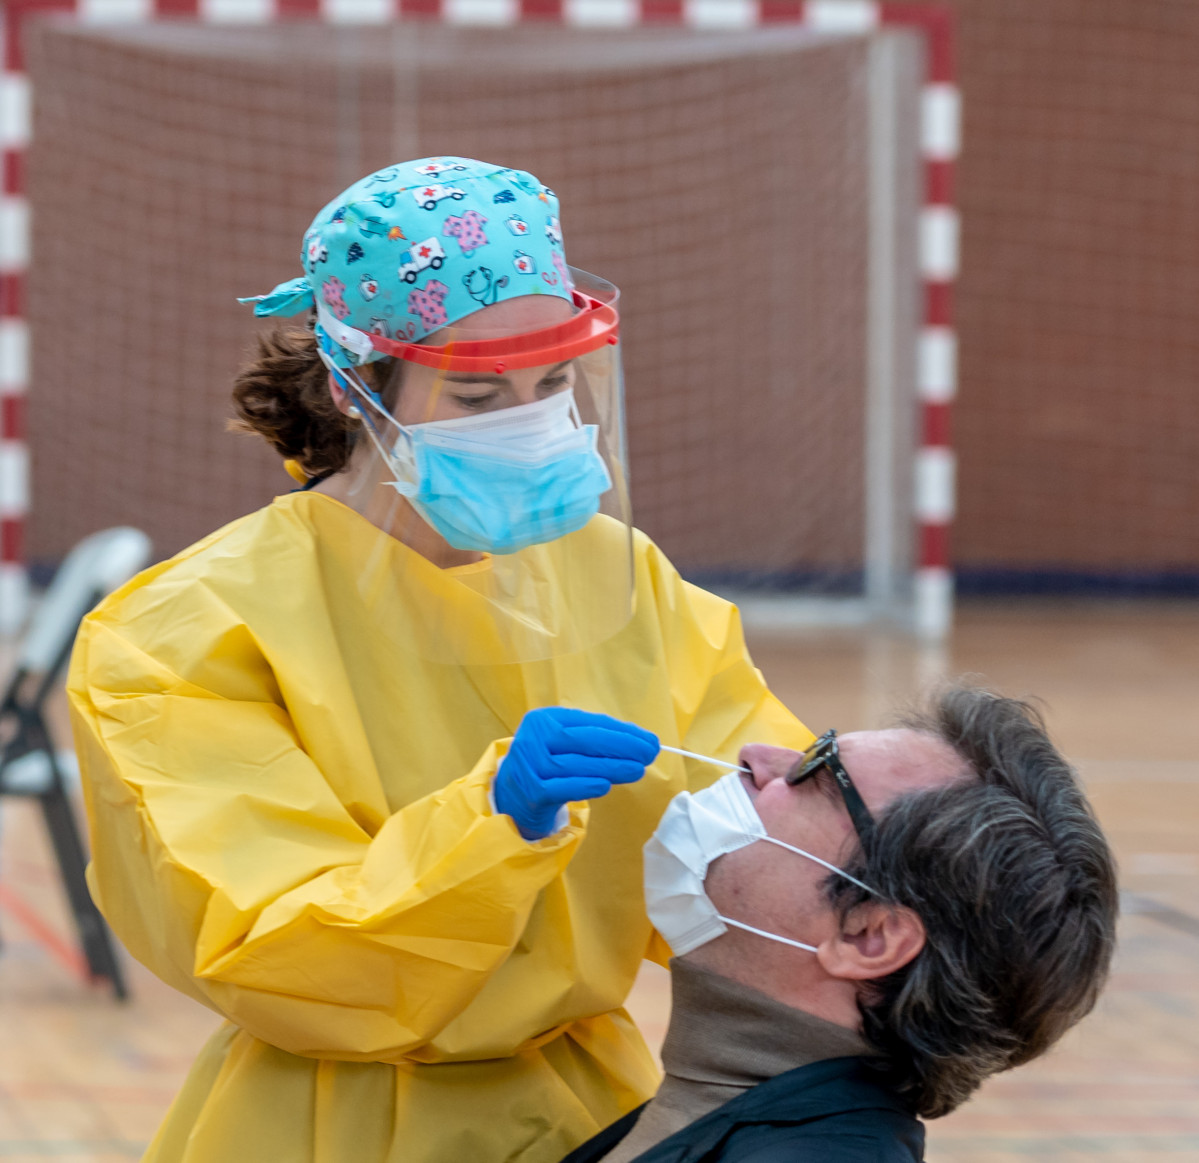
x: 695, y: 829
x: 498, y: 482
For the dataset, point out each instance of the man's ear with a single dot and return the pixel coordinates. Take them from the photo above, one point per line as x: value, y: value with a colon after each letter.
x: 874, y: 940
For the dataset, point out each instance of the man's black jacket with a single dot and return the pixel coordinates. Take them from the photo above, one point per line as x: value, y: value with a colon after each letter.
x: 836, y: 1111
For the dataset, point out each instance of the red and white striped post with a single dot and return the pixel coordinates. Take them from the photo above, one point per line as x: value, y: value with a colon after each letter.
x: 937, y: 377
x: 14, y: 329
x: 939, y: 232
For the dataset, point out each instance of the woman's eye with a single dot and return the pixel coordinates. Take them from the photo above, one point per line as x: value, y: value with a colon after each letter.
x: 555, y: 383
x: 475, y: 403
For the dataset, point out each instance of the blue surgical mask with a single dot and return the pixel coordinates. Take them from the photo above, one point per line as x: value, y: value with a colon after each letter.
x: 505, y: 480
x: 501, y: 481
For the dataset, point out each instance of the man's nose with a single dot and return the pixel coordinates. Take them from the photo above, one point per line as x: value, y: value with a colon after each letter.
x: 768, y: 763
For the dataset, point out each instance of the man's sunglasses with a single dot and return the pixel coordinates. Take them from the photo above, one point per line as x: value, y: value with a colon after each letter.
x: 824, y: 753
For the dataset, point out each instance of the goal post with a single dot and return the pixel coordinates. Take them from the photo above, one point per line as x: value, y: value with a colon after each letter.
x: 769, y: 181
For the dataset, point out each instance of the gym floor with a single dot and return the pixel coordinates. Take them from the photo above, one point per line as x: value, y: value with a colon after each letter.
x: 85, y: 1080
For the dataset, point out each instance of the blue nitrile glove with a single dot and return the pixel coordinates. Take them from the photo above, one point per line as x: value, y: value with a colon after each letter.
x: 559, y: 755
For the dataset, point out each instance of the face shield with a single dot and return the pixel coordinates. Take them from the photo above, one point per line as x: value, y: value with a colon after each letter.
x: 510, y: 447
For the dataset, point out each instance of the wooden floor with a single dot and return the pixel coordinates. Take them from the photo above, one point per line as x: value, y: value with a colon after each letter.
x: 83, y: 1079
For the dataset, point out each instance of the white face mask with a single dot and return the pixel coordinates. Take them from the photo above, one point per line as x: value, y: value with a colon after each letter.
x: 694, y: 831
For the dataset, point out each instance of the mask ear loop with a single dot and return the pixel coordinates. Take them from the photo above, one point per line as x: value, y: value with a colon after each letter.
x: 823, y: 864
x: 772, y: 936
x: 353, y: 382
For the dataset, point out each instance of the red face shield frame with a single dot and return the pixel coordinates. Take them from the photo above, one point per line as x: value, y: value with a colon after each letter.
x: 595, y: 324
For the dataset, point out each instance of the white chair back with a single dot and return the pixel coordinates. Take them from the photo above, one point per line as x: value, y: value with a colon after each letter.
x: 95, y: 567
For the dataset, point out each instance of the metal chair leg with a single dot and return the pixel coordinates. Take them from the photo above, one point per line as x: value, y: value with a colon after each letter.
x: 68, y: 848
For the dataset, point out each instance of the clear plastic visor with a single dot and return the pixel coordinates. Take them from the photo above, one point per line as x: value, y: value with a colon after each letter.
x: 495, y: 489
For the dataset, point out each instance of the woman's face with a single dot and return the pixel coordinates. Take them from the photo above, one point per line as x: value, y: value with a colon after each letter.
x: 427, y: 394
x: 431, y: 394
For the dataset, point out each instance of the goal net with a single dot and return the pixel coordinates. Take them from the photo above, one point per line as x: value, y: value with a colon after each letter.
x: 754, y: 193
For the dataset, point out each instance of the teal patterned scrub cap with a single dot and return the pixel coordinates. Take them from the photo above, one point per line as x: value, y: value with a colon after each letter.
x: 419, y: 245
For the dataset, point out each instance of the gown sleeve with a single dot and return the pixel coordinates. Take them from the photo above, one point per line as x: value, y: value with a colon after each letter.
x: 227, y: 864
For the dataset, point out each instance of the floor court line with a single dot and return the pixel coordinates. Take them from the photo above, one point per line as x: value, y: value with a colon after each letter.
x: 1146, y: 906
x: 1138, y: 1146
x: 26, y: 915
x: 69, y: 1149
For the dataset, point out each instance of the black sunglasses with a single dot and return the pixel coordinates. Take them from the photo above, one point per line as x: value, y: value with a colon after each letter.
x: 825, y: 753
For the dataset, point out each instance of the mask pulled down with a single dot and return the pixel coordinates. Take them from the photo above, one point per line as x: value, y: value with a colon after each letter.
x: 694, y: 831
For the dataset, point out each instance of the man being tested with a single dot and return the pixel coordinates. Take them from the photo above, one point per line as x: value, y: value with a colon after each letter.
x: 863, y: 934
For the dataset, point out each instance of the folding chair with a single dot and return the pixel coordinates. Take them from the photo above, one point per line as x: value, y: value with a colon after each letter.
x: 29, y: 763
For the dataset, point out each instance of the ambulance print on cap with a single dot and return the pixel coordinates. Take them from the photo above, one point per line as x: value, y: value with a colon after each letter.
x: 428, y: 253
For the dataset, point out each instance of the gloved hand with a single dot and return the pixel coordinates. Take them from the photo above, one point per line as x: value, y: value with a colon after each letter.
x: 559, y: 755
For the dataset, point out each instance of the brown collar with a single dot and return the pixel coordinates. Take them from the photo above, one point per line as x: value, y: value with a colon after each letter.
x: 725, y: 1033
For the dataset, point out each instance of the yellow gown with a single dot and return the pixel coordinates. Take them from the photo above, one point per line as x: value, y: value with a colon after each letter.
x: 290, y: 822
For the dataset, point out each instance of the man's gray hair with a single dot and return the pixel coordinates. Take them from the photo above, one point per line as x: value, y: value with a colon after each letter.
x: 1016, y: 887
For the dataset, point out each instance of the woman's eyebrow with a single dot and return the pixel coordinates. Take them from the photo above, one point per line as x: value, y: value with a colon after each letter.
x: 490, y: 378
x: 475, y: 378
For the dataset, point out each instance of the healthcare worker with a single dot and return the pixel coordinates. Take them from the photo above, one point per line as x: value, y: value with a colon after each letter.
x: 369, y: 771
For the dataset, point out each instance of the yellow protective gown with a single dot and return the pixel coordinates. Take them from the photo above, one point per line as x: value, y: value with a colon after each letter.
x: 290, y: 823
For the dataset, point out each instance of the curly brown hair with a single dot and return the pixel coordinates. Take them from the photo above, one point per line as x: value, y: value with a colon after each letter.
x: 283, y: 396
